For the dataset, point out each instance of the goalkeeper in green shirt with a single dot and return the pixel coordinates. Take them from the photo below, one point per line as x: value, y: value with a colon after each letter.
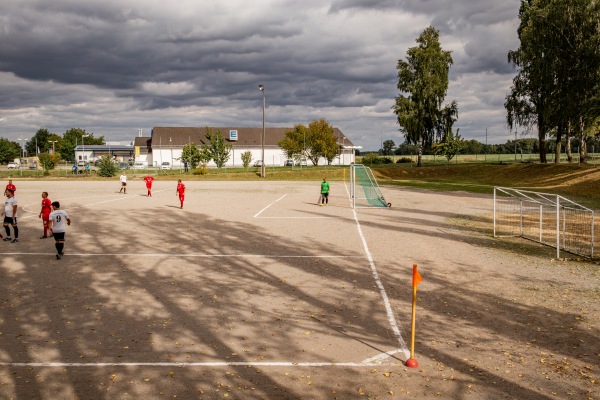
x: 324, y: 192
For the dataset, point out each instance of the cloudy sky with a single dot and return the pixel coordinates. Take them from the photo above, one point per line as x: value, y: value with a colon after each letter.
x: 113, y: 67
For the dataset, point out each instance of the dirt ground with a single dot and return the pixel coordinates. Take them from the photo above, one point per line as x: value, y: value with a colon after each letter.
x: 252, y: 291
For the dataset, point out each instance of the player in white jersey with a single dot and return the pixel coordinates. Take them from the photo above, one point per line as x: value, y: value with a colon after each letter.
x: 10, y: 216
x: 58, y: 218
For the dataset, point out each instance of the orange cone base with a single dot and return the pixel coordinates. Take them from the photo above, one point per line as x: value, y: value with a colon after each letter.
x: 411, y: 363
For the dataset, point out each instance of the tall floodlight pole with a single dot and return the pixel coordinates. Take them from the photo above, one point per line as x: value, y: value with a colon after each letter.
x: 83, y: 148
x: 23, y: 146
x: 53, y: 141
x: 262, y: 138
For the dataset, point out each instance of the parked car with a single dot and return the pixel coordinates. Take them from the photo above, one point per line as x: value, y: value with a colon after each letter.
x: 165, y: 165
x: 13, y: 165
x: 139, y: 165
x: 258, y: 163
x: 289, y: 162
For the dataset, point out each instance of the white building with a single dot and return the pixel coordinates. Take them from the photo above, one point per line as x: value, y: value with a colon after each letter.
x: 166, y: 145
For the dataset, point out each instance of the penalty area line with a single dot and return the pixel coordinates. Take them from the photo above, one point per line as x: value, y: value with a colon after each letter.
x: 183, y: 255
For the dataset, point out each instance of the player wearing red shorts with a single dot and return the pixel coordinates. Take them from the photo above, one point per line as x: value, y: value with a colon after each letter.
x: 180, y: 191
x: 149, y: 179
x: 45, y: 214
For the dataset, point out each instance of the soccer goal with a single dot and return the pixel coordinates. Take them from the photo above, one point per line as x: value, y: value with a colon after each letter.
x: 545, y: 218
x: 364, y: 190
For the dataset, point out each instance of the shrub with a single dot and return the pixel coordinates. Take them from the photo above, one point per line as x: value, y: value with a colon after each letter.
x: 404, y: 160
x: 106, y: 167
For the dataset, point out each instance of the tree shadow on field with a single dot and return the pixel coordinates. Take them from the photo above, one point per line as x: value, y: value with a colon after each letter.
x: 466, y: 228
x: 497, y: 330
x: 173, y: 304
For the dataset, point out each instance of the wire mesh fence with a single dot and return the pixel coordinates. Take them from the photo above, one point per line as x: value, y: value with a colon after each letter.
x: 545, y: 218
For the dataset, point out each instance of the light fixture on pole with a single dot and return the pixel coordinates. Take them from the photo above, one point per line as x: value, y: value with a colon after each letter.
x: 262, y: 138
x: 52, y: 141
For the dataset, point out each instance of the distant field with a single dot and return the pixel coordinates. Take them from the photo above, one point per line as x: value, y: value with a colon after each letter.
x: 593, y: 158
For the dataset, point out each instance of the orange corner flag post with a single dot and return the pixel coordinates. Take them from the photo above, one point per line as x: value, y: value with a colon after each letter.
x: 416, y: 278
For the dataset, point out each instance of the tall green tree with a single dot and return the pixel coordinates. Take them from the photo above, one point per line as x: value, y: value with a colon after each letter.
x: 39, y: 142
x: 74, y: 137
x: 558, y: 70
x: 423, y: 84
x: 388, y: 146
x: 294, y: 141
x: 216, y: 149
x: 9, y: 151
x: 320, y: 141
x: 191, y: 154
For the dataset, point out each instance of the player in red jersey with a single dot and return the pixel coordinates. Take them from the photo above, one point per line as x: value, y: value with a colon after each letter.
x: 180, y: 191
x: 149, y: 179
x: 10, y: 186
x: 45, y: 214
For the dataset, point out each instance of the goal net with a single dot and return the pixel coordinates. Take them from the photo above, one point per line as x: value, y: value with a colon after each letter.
x: 545, y: 218
x: 364, y: 190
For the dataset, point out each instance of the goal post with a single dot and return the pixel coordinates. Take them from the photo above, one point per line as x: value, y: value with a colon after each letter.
x: 364, y: 190
x: 545, y: 218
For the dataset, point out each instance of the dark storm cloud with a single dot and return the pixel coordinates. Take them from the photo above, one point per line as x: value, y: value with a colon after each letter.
x: 147, y: 63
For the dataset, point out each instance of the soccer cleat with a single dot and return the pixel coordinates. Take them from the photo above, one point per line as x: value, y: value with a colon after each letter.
x: 58, y: 256
x: 43, y: 237
x: 15, y: 240
x: 7, y: 239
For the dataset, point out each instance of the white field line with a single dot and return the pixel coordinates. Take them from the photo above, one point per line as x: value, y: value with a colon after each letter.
x: 324, y: 217
x: 117, y: 198
x: 198, y: 255
x: 260, y: 212
x: 198, y: 364
x: 384, y: 296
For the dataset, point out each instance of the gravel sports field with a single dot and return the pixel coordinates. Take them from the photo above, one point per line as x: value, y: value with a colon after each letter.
x: 252, y: 290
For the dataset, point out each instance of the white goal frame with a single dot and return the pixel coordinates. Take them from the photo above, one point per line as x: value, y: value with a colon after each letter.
x: 545, y: 218
x: 369, y: 194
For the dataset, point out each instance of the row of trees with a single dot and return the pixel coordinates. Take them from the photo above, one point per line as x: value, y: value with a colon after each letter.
x: 50, y: 147
x: 557, y: 86
x: 523, y: 145
x: 216, y: 148
x: 556, y: 89
x: 314, y: 141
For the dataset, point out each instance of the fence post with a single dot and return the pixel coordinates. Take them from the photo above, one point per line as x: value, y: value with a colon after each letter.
x: 494, y: 212
x: 557, y: 227
x: 541, y: 224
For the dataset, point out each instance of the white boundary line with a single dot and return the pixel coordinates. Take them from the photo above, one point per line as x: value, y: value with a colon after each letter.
x: 117, y: 197
x: 200, y: 364
x: 256, y: 216
x: 198, y: 255
x: 386, y: 301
